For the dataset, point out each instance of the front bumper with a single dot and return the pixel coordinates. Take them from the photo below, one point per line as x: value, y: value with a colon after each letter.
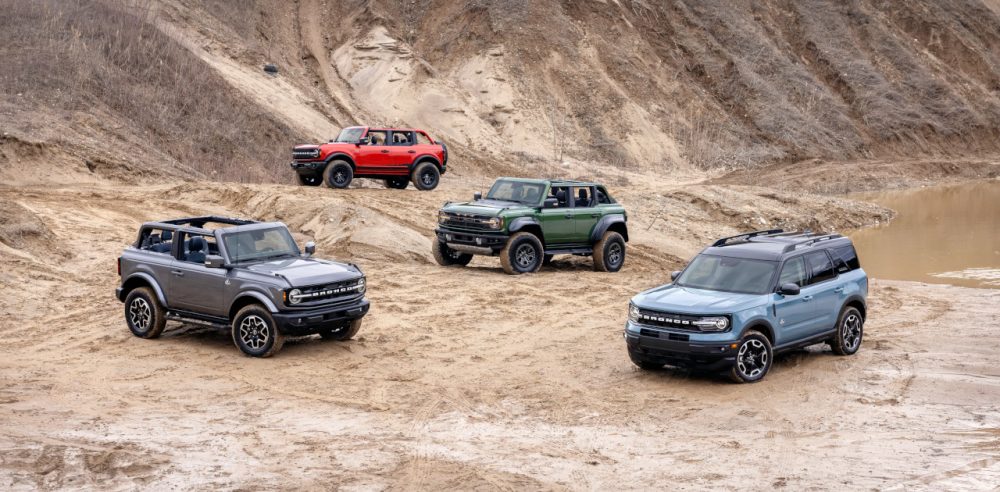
x: 307, y: 167
x: 479, y: 243
x: 677, y: 349
x: 301, y: 323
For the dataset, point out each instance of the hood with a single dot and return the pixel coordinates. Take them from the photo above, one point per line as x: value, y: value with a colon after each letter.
x: 685, y: 300
x: 305, y: 147
x: 303, y: 272
x: 486, y: 207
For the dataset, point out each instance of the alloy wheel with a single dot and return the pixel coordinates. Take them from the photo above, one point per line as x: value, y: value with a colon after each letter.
x: 752, y: 358
x: 851, y: 332
x: 254, y: 332
x: 525, y: 256
x: 139, y: 314
x: 615, y: 254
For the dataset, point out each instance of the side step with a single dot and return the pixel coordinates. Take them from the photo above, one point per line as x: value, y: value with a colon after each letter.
x: 200, y: 319
x: 582, y: 250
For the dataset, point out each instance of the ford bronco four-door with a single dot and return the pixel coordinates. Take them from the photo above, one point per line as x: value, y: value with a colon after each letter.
x: 248, y: 277
x: 527, y: 221
x: 397, y: 156
x: 747, y: 297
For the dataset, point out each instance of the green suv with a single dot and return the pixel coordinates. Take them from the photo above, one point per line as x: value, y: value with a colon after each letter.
x: 527, y: 221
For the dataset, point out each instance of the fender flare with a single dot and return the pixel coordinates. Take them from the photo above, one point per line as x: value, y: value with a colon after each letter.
x: 257, y: 296
x: 152, y: 282
x: 602, y: 226
x: 341, y: 155
x: 861, y: 300
x: 519, y: 223
x: 424, y: 157
x: 757, y: 324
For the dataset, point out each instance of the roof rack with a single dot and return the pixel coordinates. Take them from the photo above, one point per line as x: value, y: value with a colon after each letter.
x: 747, y: 236
x: 810, y: 241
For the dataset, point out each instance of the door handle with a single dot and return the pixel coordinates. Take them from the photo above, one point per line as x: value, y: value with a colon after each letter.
x: 807, y: 298
x: 839, y: 290
x: 177, y: 272
x: 595, y: 215
x: 411, y: 152
x: 385, y: 151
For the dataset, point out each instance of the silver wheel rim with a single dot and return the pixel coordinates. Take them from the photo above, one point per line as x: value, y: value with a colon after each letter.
x: 615, y: 254
x: 752, y: 358
x: 851, y: 332
x: 525, y: 256
x: 139, y: 314
x: 254, y: 332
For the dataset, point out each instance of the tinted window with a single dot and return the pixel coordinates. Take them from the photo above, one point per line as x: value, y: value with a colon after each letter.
x: 846, y: 258
x: 728, y: 274
x: 821, y: 267
x: 794, y: 272
x: 516, y: 191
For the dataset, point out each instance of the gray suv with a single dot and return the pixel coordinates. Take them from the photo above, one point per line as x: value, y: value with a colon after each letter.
x: 245, y: 276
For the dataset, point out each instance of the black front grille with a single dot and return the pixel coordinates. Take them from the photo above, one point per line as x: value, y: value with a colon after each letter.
x: 678, y: 337
x: 305, y: 154
x: 467, y: 221
x: 338, y: 291
x: 668, y: 320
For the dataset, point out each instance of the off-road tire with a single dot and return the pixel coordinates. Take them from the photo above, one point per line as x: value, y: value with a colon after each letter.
x: 446, y: 256
x: 744, y: 371
x: 644, y: 363
x: 249, y: 335
x: 309, y: 180
x: 338, y: 174
x: 514, y: 264
x: 426, y: 176
x: 850, y: 332
x: 396, y: 183
x: 144, y: 315
x: 345, y: 332
x: 609, y: 252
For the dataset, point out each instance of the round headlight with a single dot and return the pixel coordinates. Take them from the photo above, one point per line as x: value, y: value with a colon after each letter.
x: 362, y: 285
x: 721, y: 323
x: 442, y: 217
x: 315, y: 153
x: 294, y: 296
x: 495, y: 223
x: 633, y: 313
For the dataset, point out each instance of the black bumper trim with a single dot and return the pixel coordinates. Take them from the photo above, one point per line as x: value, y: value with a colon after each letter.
x: 495, y: 242
x: 317, y: 320
x: 309, y: 166
x: 712, y: 356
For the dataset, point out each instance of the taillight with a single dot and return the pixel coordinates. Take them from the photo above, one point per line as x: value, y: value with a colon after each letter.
x: 119, y: 266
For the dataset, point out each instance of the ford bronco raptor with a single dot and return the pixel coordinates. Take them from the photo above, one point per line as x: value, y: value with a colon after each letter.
x: 747, y: 297
x: 397, y: 156
x: 527, y: 221
x: 245, y: 276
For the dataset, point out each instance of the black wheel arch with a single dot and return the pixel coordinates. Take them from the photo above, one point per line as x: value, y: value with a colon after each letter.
x: 858, y: 303
x: 248, y: 298
x: 425, y: 158
x: 761, y: 326
x: 611, y: 222
x: 527, y: 224
x: 141, y: 280
x: 343, y: 157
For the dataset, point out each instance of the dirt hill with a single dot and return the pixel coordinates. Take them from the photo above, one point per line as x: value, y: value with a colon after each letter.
x: 176, y: 86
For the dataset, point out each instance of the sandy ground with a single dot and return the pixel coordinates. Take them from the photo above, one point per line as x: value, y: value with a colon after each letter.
x: 466, y: 378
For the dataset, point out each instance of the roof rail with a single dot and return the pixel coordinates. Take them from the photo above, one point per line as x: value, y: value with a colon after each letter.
x: 746, y: 236
x: 810, y: 241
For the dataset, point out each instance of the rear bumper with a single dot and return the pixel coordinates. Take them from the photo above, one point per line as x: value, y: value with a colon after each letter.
x: 478, y: 243
x: 301, y: 323
x: 712, y: 356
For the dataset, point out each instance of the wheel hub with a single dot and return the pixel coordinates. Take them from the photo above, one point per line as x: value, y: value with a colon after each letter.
x: 254, y: 332
x: 139, y: 314
x: 525, y: 256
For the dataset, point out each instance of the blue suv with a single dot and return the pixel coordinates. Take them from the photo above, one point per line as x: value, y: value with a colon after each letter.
x: 746, y: 297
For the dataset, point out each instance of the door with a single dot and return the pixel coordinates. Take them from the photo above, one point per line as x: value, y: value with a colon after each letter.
x: 192, y: 286
x: 794, y: 313
x: 402, y: 151
x: 557, y: 223
x: 825, y: 289
x: 375, y: 156
x: 585, y: 213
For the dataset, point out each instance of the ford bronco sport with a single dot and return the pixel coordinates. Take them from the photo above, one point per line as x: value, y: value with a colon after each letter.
x: 397, y: 156
x: 527, y: 221
x: 747, y: 297
x: 248, y: 277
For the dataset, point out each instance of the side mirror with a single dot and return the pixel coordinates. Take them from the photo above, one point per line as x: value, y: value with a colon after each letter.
x: 789, y: 289
x: 214, y: 261
x: 310, y: 248
x: 551, y: 203
x: 362, y: 141
x: 477, y: 196
x: 674, y: 274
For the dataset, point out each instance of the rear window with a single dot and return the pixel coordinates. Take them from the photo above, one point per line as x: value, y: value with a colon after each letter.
x: 845, y: 258
x: 820, y: 266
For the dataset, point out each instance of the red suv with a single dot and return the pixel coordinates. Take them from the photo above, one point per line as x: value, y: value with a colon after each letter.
x: 394, y: 155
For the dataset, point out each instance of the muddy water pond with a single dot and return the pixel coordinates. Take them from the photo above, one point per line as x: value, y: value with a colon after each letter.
x: 944, y: 234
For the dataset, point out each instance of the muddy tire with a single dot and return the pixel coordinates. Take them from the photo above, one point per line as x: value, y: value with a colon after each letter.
x: 609, y: 252
x: 753, y: 358
x: 850, y: 330
x: 446, y: 256
x: 522, y: 254
x: 345, y: 332
x: 644, y: 363
x: 307, y: 180
x: 255, y: 333
x: 396, y: 183
x: 338, y: 174
x: 144, y: 315
x: 426, y: 176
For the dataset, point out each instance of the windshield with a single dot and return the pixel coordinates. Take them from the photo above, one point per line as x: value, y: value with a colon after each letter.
x: 510, y: 190
x: 259, y: 244
x: 728, y: 274
x: 350, y: 135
